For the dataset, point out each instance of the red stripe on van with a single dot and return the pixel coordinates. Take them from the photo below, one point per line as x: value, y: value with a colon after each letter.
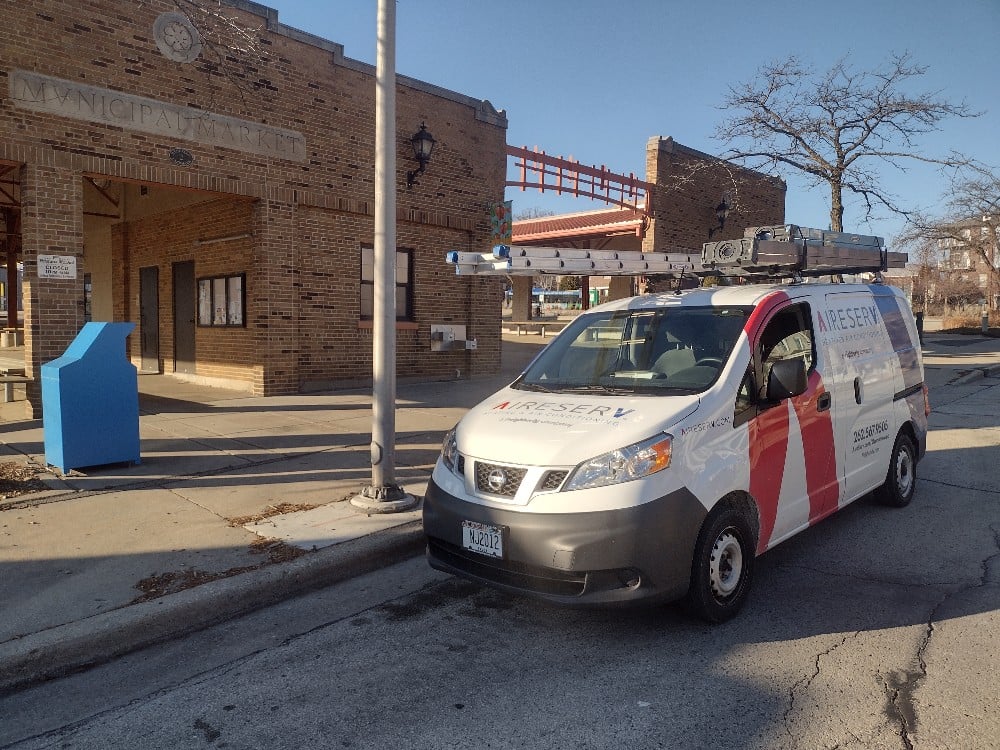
x: 768, y: 448
x: 817, y: 446
x: 760, y: 313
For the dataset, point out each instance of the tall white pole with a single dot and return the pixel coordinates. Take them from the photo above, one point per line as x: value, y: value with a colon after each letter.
x: 384, y: 495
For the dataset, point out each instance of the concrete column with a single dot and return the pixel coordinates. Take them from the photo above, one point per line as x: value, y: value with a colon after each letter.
x: 51, y: 224
x: 620, y: 287
x: 520, y: 304
x: 273, y: 305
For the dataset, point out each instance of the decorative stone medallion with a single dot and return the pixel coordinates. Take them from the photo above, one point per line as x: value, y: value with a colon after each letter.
x: 177, y: 37
x: 181, y: 157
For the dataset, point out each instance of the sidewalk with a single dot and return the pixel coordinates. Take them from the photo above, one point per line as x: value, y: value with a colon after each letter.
x: 238, y: 502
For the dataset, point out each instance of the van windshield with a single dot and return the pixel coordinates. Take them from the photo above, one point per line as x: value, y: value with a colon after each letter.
x: 657, y: 351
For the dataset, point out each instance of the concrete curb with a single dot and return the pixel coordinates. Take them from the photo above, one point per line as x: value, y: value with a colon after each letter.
x: 67, y: 648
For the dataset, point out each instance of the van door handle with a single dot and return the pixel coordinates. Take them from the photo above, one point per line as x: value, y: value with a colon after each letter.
x: 823, y: 402
x: 857, y: 390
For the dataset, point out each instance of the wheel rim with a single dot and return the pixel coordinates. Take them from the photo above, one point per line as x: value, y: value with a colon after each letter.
x: 904, y: 473
x: 725, y: 567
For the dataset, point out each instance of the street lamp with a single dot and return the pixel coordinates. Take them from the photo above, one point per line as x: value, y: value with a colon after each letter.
x: 423, y: 145
x: 721, y: 212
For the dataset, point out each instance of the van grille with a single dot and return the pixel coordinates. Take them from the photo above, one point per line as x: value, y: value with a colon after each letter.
x: 498, y: 480
x: 553, y: 480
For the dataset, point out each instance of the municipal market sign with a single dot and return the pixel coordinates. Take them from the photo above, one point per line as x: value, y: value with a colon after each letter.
x: 57, y: 266
x: 80, y: 101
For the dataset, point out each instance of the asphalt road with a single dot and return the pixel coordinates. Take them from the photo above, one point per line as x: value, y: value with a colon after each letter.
x: 876, y: 629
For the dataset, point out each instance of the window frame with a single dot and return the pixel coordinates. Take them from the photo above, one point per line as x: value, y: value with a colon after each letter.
x: 402, y: 316
x: 803, y: 312
x: 212, y: 285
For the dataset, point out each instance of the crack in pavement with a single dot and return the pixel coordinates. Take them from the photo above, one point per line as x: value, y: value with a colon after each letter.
x: 804, y: 683
x: 902, y: 686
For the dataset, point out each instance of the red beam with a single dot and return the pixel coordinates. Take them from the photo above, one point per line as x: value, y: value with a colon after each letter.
x: 578, y: 179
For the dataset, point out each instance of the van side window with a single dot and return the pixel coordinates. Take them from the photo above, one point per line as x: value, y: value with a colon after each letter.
x: 788, y: 335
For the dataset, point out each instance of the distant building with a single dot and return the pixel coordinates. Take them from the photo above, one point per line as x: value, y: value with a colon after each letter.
x: 969, y: 258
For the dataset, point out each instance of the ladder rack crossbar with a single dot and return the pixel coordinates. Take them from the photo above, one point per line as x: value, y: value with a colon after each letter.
x: 779, y: 251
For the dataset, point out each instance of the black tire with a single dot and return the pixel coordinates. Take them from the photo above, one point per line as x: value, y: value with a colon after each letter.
x: 901, y: 477
x: 722, y: 567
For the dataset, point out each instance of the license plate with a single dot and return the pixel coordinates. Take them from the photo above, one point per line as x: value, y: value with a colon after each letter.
x: 482, y: 538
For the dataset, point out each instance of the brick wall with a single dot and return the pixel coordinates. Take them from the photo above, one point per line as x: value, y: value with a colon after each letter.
x: 51, y: 224
x: 690, y: 184
x: 310, y: 216
x: 164, y: 239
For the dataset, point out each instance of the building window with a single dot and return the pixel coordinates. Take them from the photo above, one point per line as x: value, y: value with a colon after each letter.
x: 221, y: 301
x: 404, y: 283
x: 88, y: 298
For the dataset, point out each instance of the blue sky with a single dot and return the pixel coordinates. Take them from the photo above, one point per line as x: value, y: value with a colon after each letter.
x: 596, y: 79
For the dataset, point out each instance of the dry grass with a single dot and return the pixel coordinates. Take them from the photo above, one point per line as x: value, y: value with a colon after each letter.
x: 18, y: 479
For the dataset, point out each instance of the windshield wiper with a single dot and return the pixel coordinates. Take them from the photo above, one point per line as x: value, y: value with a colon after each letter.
x: 533, y: 387
x: 596, y: 387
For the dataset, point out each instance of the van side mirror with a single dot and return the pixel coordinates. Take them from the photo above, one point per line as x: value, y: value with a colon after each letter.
x: 787, y: 379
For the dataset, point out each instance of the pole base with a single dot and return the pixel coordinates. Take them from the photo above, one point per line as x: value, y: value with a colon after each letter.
x: 389, y: 498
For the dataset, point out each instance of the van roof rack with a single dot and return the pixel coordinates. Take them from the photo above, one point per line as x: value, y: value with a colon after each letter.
x: 791, y: 250
x: 780, y: 251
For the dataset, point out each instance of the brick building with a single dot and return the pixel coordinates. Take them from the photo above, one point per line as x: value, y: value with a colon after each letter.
x: 967, y: 263
x: 223, y: 200
x: 690, y: 186
x: 685, y: 189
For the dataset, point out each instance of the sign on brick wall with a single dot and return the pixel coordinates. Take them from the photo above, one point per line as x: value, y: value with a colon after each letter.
x: 57, y: 266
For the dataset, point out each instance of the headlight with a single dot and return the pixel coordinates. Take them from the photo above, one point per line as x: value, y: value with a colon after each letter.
x: 449, y: 449
x: 623, y: 464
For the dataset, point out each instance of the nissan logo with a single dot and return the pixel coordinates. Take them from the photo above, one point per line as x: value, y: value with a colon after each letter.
x: 496, y: 479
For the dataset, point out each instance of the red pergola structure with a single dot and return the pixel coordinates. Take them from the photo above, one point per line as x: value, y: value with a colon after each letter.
x: 590, y: 229
x: 540, y: 171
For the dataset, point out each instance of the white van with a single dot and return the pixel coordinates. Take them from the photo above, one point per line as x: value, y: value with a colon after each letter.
x: 660, y: 443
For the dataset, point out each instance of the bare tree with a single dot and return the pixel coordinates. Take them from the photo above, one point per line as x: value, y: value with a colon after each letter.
x: 838, y: 129
x: 533, y: 212
x: 228, y: 47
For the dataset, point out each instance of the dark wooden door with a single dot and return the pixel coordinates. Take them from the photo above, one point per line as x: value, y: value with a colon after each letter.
x: 149, y: 318
x: 184, y: 311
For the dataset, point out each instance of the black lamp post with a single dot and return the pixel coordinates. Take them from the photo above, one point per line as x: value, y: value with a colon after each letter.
x: 721, y: 213
x: 423, y: 145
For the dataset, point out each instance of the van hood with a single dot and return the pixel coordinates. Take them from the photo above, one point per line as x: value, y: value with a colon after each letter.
x: 563, y: 429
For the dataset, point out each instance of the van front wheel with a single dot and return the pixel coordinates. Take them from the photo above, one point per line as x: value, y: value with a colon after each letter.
x: 722, y: 566
x: 901, y: 478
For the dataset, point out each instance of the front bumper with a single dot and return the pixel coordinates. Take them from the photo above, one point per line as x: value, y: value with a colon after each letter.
x: 605, y: 557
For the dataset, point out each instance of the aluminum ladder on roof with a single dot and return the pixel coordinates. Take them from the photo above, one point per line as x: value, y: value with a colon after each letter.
x: 774, y: 251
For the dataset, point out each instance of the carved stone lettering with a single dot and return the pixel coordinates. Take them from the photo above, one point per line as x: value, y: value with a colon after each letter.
x: 92, y: 104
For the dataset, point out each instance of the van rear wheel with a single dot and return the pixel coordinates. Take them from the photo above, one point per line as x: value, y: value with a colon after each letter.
x: 722, y: 566
x: 901, y: 478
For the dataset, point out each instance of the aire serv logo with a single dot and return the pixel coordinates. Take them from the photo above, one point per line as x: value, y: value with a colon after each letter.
x: 560, y: 413
x: 557, y: 407
x: 838, y: 319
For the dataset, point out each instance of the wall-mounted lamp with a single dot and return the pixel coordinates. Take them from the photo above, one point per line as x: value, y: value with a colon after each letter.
x: 423, y: 145
x: 721, y: 213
